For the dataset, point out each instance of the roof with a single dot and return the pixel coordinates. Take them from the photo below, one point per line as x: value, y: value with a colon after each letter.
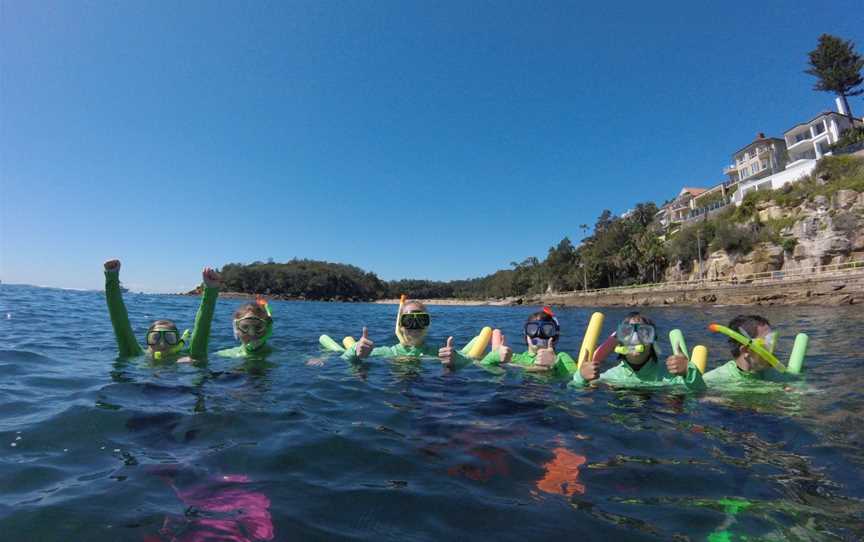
x: 693, y: 191
x: 823, y: 114
x: 760, y: 140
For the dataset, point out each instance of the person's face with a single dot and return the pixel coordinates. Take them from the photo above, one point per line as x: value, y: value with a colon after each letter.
x: 639, y: 358
x: 250, y: 328
x: 413, y: 337
x: 750, y: 362
x: 162, y: 338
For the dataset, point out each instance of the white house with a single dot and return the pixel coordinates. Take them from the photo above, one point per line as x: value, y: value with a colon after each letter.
x: 812, y: 139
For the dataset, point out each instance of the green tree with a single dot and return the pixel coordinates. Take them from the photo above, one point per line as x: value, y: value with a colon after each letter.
x: 837, y: 67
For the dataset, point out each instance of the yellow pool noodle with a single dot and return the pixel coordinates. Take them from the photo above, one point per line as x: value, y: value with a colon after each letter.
x: 699, y: 358
x: 348, y: 342
x: 592, y: 334
x: 480, y: 344
x: 399, y: 336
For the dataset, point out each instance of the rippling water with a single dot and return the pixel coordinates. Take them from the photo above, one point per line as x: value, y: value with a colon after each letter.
x: 92, y: 448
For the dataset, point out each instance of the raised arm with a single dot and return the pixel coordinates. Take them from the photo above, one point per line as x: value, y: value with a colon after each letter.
x: 127, y: 345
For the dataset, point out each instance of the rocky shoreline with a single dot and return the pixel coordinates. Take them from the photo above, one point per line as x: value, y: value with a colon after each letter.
x: 846, y: 288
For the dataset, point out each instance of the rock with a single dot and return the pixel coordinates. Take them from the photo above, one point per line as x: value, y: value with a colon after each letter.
x: 669, y: 301
x: 719, y: 265
x: 844, y: 199
x: 845, y: 300
x: 710, y: 298
x: 771, y: 213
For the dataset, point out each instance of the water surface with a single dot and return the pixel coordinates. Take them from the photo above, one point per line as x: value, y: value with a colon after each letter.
x: 95, y: 448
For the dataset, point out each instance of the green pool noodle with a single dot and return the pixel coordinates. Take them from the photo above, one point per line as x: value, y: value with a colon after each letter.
x: 329, y: 344
x: 676, y: 339
x: 799, y: 352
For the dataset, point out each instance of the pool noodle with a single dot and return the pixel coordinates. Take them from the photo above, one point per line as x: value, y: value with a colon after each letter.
x: 700, y: 358
x: 799, y: 351
x: 606, y: 348
x: 592, y: 333
x: 329, y: 344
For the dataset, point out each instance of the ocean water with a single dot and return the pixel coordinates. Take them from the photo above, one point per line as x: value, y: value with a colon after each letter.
x: 95, y: 448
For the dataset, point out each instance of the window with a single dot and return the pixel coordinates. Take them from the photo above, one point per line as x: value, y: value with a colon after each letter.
x: 819, y: 128
x: 754, y: 168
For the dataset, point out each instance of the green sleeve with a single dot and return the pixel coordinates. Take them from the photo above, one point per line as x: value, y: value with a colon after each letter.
x: 578, y: 381
x: 377, y: 352
x: 201, y: 331
x: 461, y: 360
x: 126, y: 343
x: 565, y: 365
x: 490, y: 359
x: 693, y: 379
x: 524, y: 359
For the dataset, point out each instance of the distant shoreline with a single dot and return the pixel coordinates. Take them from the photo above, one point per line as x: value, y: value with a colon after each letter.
x: 828, y: 290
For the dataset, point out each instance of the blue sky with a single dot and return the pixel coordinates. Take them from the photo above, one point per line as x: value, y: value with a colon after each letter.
x: 414, y: 139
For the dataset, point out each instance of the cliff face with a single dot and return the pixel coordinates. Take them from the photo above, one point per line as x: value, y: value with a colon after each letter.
x: 822, y: 231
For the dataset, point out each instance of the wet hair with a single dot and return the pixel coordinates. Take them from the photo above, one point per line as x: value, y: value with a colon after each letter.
x: 162, y: 323
x: 641, y: 318
x: 749, y: 323
x: 418, y: 304
x: 252, y: 309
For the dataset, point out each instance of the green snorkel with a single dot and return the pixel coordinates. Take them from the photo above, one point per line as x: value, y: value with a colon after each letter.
x: 755, y: 345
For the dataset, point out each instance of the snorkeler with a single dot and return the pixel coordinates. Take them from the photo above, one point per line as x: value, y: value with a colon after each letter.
x: 163, y: 339
x: 253, y: 327
x: 639, y: 361
x: 542, y: 331
x: 411, y: 329
x: 747, y: 364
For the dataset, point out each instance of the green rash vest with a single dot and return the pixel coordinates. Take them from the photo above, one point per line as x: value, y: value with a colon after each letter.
x: 243, y: 352
x: 404, y: 351
x: 729, y: 375
x: 651, y: 374
x: 128, y: 346
x: 564, y: 367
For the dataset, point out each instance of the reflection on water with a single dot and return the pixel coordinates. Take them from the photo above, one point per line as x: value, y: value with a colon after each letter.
x: 303, y: 445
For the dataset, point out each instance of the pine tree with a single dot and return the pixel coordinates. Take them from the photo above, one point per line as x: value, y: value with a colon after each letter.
x: 838, y: 68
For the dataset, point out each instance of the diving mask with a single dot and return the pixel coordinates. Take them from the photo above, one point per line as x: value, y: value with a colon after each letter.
x: 170, y: 337
x: 415, y: 320
x: 635, y: 334
x: 251, y: 325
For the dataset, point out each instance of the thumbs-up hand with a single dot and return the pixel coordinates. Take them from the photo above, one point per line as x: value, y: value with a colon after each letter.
x: 590, y: 369
x: 677, y: 364
x: 364, y: 346
x: 546, y: 357
x: 499, y: 344
x: 447, y: 354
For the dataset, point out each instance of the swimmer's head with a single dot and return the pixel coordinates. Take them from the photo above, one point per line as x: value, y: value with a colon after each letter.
x: 162, y: 337
x: 251, y: 323
x: 637, y: 332
x: 414, y: 323
x: 755, y: 327
x: 539, y: 328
